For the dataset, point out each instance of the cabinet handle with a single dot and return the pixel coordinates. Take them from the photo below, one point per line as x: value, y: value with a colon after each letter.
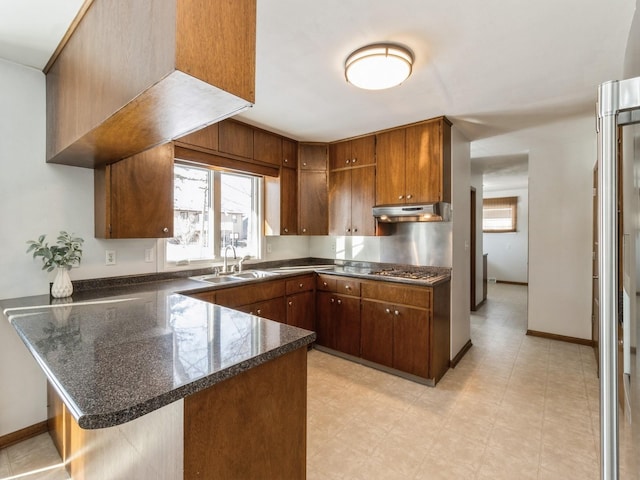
x: 339, y: 302
x: 304, y: 230
x: 165, y: 230
x: 286, y: 160
x: 400, y: 197
x: 355, y: 230
x: 387, y: 310
x: 409, y: 196
x: 290, y: 303
x: 348, y: 230
x: 333, y: 300
x: 354, y: 160
x: 259, y: 311
x: 304, y: 164
x: 396, y: 312
x: 348, y: 287
x: 286, y: 230
x: 347, y: 161
x: 324, y: 284
x: 301, y: 285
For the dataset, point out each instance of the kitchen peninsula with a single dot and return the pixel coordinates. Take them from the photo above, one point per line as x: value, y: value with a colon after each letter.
x: 148, y: 383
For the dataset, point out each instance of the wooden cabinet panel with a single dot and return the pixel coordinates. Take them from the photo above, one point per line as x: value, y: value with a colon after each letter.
x: 236, y: 138
x: 289, y: 153
x: 272, y: 309
x: 300, y: 284
x: 301, y: 311
x: 312, y: 156
x: 363, y: 151
x: 134, y: 197
x: 267, y: 147
x: 248, y: 294
x: 400, y: 294
x: 348, y: 286
x: 423, y: 170
x: 206, y: 137
x: 390, y: 165
x: 347, y: 324
x: 326, y: 283
x: 339, y: 155
x: 325, y: 319
x: 313, y: 202
x: 288, y: 201
x: 377, y: 333
x: 363, y: 199
x: 411, y: 341
x: 340, y: 202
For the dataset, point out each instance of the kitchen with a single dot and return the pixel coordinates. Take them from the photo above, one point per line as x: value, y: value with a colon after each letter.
x: 71, y: 191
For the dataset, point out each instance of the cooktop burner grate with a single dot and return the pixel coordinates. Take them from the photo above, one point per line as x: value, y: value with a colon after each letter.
x: 411, y: 274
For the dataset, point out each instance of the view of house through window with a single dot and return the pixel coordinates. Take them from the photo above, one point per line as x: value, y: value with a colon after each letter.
x: 499, y: 214
x: 213, y: 209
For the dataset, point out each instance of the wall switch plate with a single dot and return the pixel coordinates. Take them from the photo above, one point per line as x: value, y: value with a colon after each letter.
x: 148, y: 255
x: 110, y: 257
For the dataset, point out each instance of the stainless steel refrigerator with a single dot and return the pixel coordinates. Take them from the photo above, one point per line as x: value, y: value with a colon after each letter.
x: 618, y: 277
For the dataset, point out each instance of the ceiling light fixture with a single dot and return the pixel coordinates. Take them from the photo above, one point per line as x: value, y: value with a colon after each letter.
x: 378, y: 66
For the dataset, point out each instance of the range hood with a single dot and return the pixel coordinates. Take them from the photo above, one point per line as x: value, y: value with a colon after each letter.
x: 425, y: 212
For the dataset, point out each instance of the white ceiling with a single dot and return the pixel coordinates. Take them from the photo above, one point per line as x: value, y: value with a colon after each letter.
x: 491, y: 67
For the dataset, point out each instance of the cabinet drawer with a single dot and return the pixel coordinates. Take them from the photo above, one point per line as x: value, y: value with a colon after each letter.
x: 245, y: 295
x: 398, y: 294
x: 348, y: 286
x: 300, y: 284
x: 326, y: 283
x: 273, y: 309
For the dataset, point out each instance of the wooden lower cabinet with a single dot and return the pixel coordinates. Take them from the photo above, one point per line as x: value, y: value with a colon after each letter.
x: 273, y: 309
x: 325, y: 319
x: 347, y: 324
x: 411, y: 345
x: 301, y: 310
x: 377, y: 333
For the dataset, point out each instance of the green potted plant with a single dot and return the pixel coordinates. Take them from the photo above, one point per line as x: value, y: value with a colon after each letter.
x: 66, y: 253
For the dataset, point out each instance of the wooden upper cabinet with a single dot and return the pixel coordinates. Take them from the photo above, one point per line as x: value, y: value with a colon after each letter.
x: 414, y: 164
x: 267, y: 147
x: 281, y: 203
x: 135, y: 74
x: 353, y: 153
x: 134, y: 197
x: 205, y: 138
x: 236, y: 138
x: 312, y: 189
x: 390, y: 166
x: 289, y: 153
x: 340, y: 202
x: 351, y: 199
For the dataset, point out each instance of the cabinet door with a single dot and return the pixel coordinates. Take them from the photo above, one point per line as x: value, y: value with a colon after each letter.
x: 288, y: 201
x: 411, y: 340
x: 347, y: 324
x: 363, y: 151
x: 340, y: 202
x: 339, y: 155
x: 134, y: 197
x: 312, y: 156
x: 273, y: 309
x: 363, y: 199
x: 390, y: 186
x: 423, y: 153
x: 313, y: 203
x: 377, y: 333
x: 267, y: 147
x: 206, y: 137
x: 324, y: 319
x: 235, y: 138
x: 289, y: 153
x: 301, y: 310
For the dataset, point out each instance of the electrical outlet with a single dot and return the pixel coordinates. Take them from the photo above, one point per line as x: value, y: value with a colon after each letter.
x: 148, y: 255
x: 333, y: 246
x: 110, y: 257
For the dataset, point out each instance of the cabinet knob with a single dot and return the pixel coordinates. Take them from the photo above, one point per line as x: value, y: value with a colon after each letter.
x: 251, y: 312
x: 259, y: 311
x: 324, y: 284
x: 339, y: 302
x: 387, y: 310
x: 301, y: 285
x: 396, y: 312
x: 165, y: 230
x: 304, y: 164
x: 400, y: 197
x: 348, y: 230
x: 348, y: 287
x: 333, y: 300
x: 409, y: 196
x: 354, y: 160
x: 347, y: 161
x: 286, y: 230
x: 355, y: 230
x: 286, y: 160
x: 290, y: 303
x: 304, y: 230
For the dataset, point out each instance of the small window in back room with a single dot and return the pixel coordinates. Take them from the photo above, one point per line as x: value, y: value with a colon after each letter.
x: 499, y: 215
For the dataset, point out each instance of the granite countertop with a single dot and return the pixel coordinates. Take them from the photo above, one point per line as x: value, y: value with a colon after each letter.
x: 113, y: 357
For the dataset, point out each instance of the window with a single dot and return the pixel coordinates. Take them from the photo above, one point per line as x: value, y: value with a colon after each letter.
x: 213, y: 209
x: 499, y: 214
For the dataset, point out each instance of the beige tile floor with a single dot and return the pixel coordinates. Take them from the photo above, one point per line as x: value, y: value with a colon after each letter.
x: 516, y: 407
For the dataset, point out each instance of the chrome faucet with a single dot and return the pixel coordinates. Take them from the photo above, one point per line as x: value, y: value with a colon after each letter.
x: 240, y: 263
x: 226, y: 249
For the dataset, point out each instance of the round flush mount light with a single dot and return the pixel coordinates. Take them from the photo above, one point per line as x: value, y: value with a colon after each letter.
x: 378, y: 66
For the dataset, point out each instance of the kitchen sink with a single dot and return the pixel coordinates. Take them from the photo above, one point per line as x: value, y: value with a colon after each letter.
x: 253, y: 274
x: 216, y: 279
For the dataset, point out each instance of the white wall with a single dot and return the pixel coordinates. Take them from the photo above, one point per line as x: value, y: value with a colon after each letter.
x: 508, y: 252
x: 561, y: 159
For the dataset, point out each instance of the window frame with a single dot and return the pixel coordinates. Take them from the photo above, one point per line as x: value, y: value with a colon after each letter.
x: 496, y: 203
x: 216, y: 201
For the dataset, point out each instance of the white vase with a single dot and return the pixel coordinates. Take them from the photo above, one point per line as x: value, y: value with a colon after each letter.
x: 62, y: 286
